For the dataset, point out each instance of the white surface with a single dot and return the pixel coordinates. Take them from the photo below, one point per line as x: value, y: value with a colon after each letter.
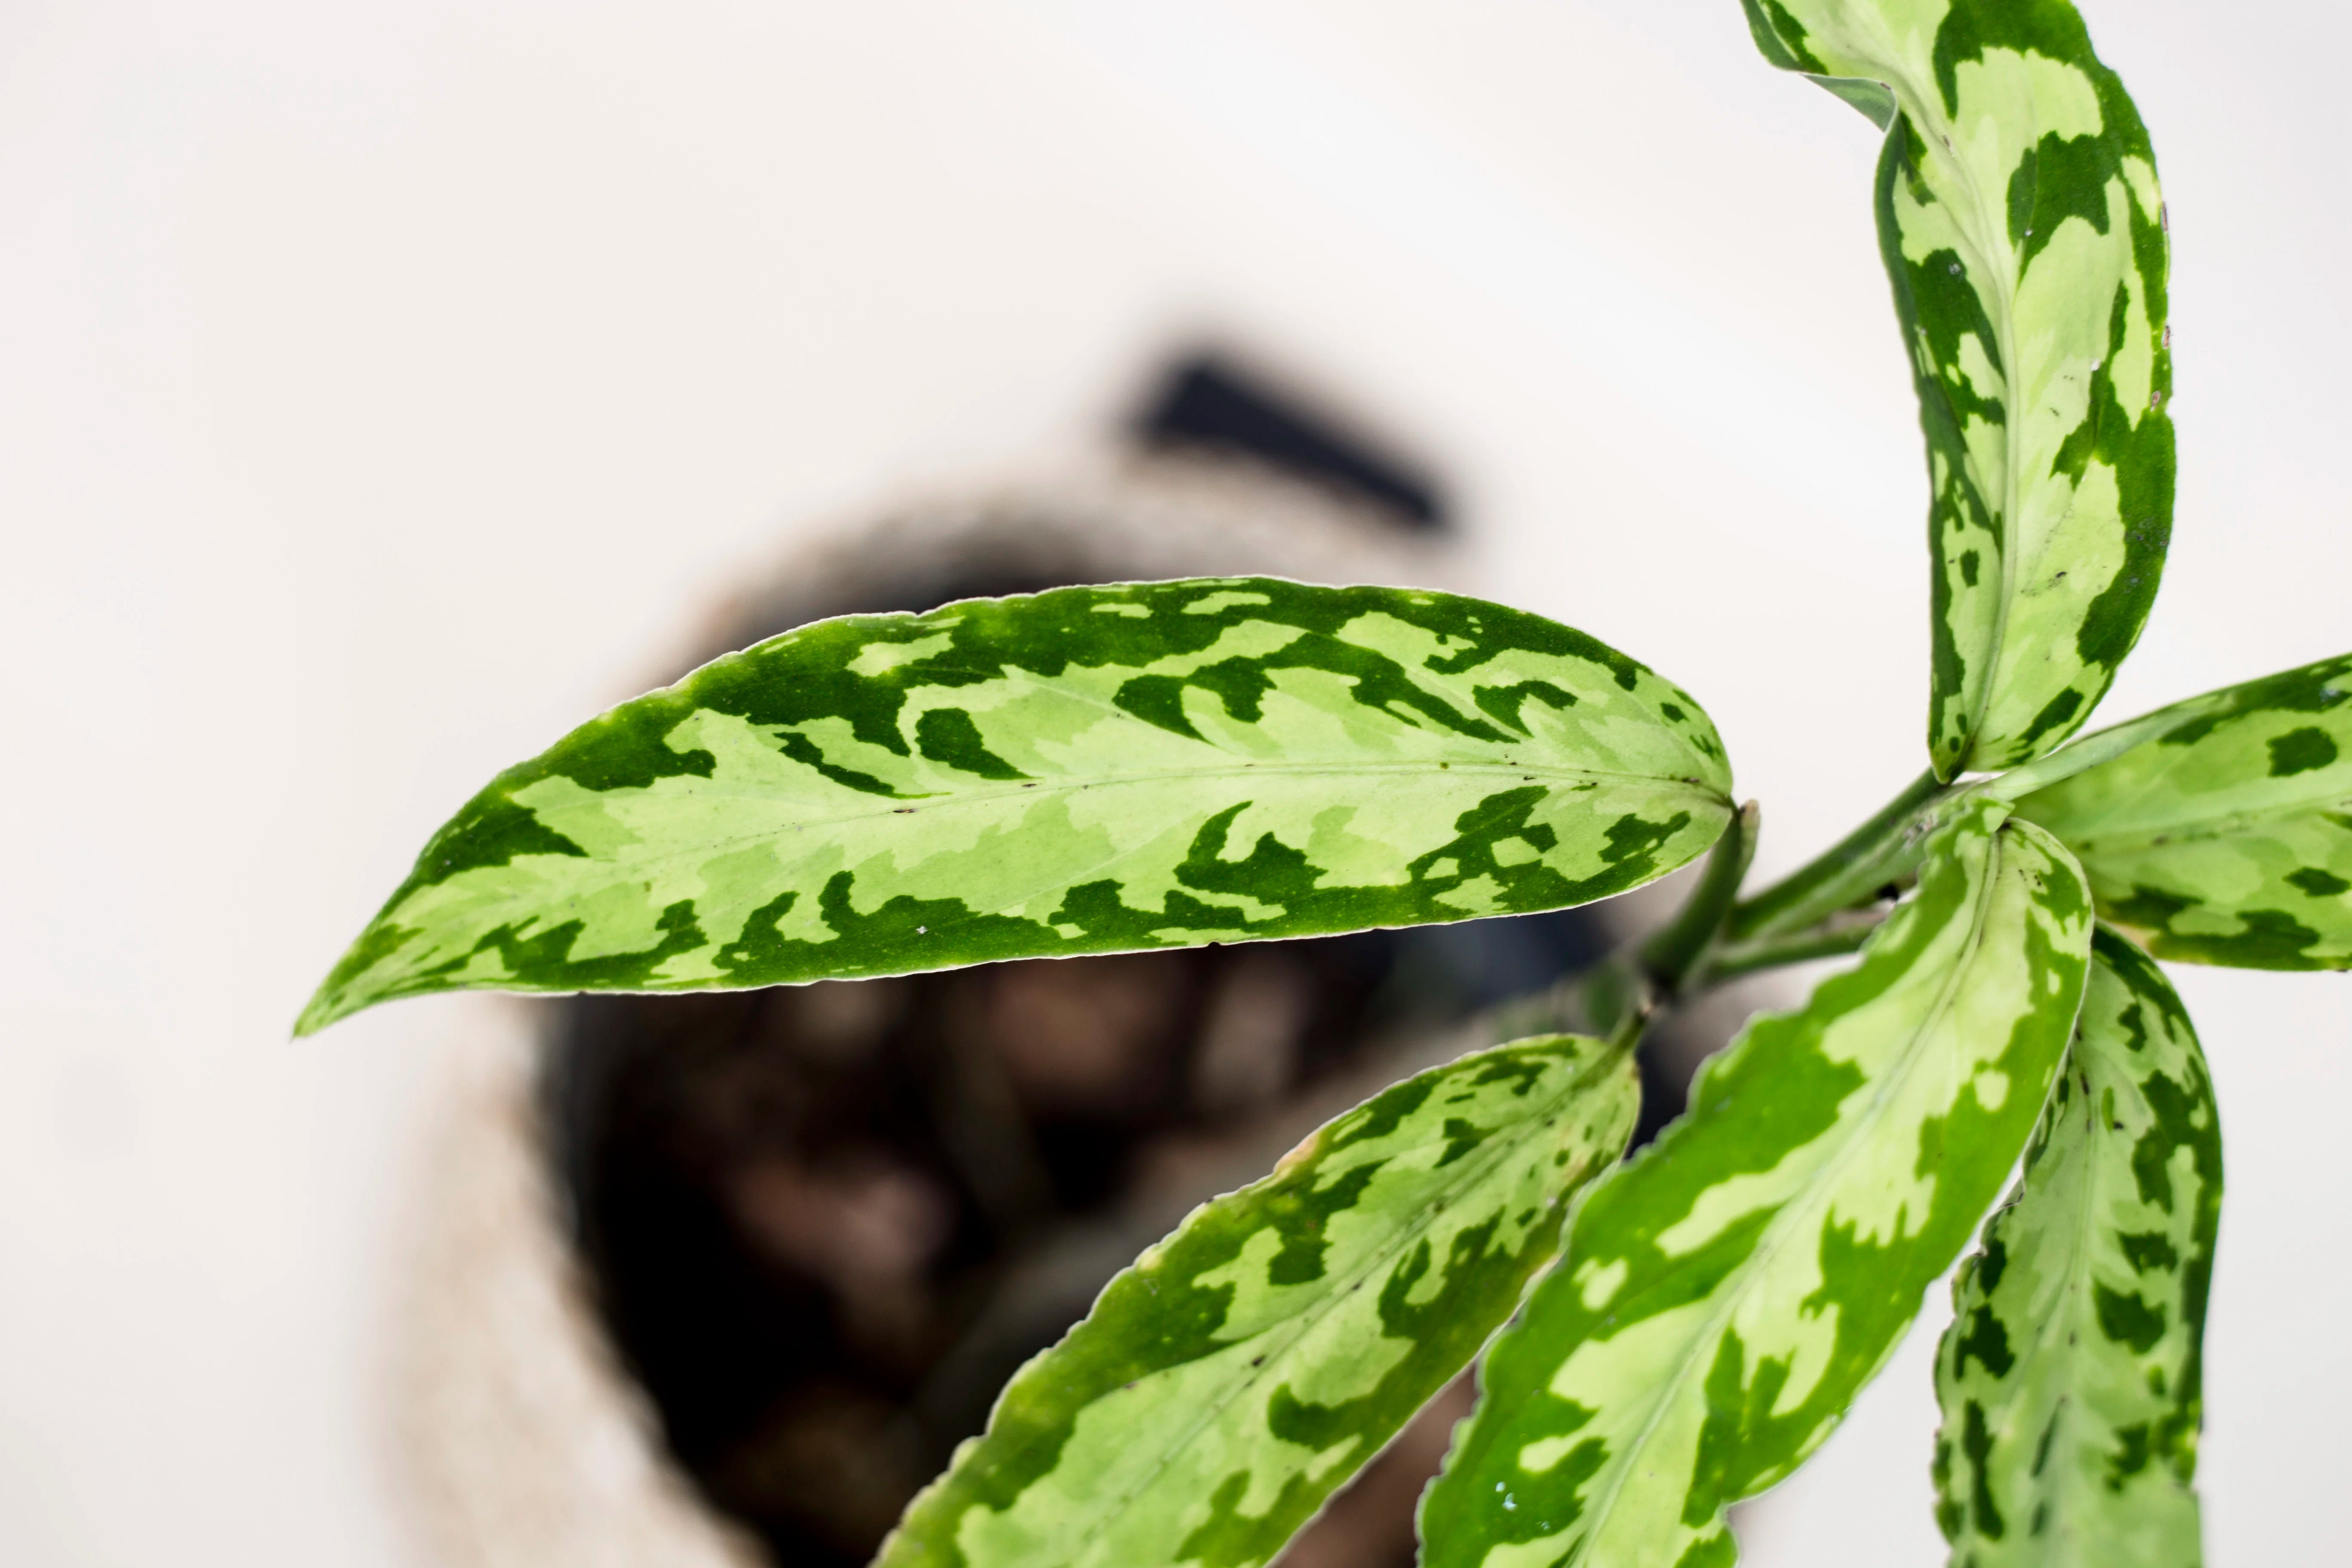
x: 352, y: 357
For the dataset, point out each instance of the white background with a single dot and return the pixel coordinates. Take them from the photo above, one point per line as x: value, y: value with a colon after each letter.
x: 382, y: 388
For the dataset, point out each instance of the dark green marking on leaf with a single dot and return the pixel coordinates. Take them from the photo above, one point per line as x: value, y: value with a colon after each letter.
x: 2150, y: 1250
x: 2319, y: 884
x: 2126, y: 1319
x: 2033, y: 26
x: 1985, y: 1342
x: 804, y: 750
x: 2057, y: 178
x: 1381, y: 1116
x: 548, y: 951
x: 947, y: 735
x: 2268, y: 939
x: 494, y: 836
x: 1299, y: 1218
x: 1504, y: 702
x: 2140, y: 452
x: 627, y: 748
x: 2300, y: 752
x: 2319, y: 688
x: 1462, y: 1138
x: 1778, y: 36
x: 1976, y: 1442
x: 2052, y: 717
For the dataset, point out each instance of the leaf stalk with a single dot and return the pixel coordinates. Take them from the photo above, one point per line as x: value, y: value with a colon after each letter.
x: 1884, y: 850
x: 1840, y: 934
x: 1669, y: 954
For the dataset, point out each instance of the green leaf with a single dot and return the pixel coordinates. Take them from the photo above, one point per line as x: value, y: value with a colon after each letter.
x: 1248, y: 1364
x: 1091, y: 770
x: 2020, y: 222
x: 1727, y: 1295
x: 2072, y: 1376
x: 2219, y: 830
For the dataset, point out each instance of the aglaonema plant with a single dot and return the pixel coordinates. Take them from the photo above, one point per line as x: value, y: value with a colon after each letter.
x: 1156, y: 764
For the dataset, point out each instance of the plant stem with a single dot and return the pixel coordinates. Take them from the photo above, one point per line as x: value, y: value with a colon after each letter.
x: 1666, y: 957
x: 1634, y: 1020
x: 1617, y: 998
x: 1850, y: 872
x: 1834, y: 938
x: 1701, y: 946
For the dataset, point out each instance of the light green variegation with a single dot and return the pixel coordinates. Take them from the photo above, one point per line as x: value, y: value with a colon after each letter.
x: 1724, y: 1298
x: 1252, y: 1362
x: 2220, y: 829
x: 2071, y: 1377
x: 1090, y: 770
x: 2021, y: 221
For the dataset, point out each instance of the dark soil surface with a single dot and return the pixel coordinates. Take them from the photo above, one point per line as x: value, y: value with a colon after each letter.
x: 826, y: 1222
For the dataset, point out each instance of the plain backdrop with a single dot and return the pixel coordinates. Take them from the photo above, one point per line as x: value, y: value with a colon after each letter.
x: 382, y: 388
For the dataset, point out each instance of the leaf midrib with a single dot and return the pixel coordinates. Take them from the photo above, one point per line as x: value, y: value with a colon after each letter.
x: 2144, y: 838
x: 2073, y: 1292
x: 622, y: 872
x: 1043, y: 788
x: 1974, y: 217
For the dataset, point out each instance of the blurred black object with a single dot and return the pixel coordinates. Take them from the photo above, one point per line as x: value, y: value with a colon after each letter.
x: 1207, y: 400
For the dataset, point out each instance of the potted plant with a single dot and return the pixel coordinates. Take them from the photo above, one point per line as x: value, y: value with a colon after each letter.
x: 1141, y: 765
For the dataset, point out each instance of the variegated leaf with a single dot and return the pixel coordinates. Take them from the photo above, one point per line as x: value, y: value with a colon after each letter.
x: 2071, y: 1377
x: 1725, y: 1297
x: 1090, y: 770
x: 2019, y: 217
x: 2221, y: 830
x: 1247, y: 1365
